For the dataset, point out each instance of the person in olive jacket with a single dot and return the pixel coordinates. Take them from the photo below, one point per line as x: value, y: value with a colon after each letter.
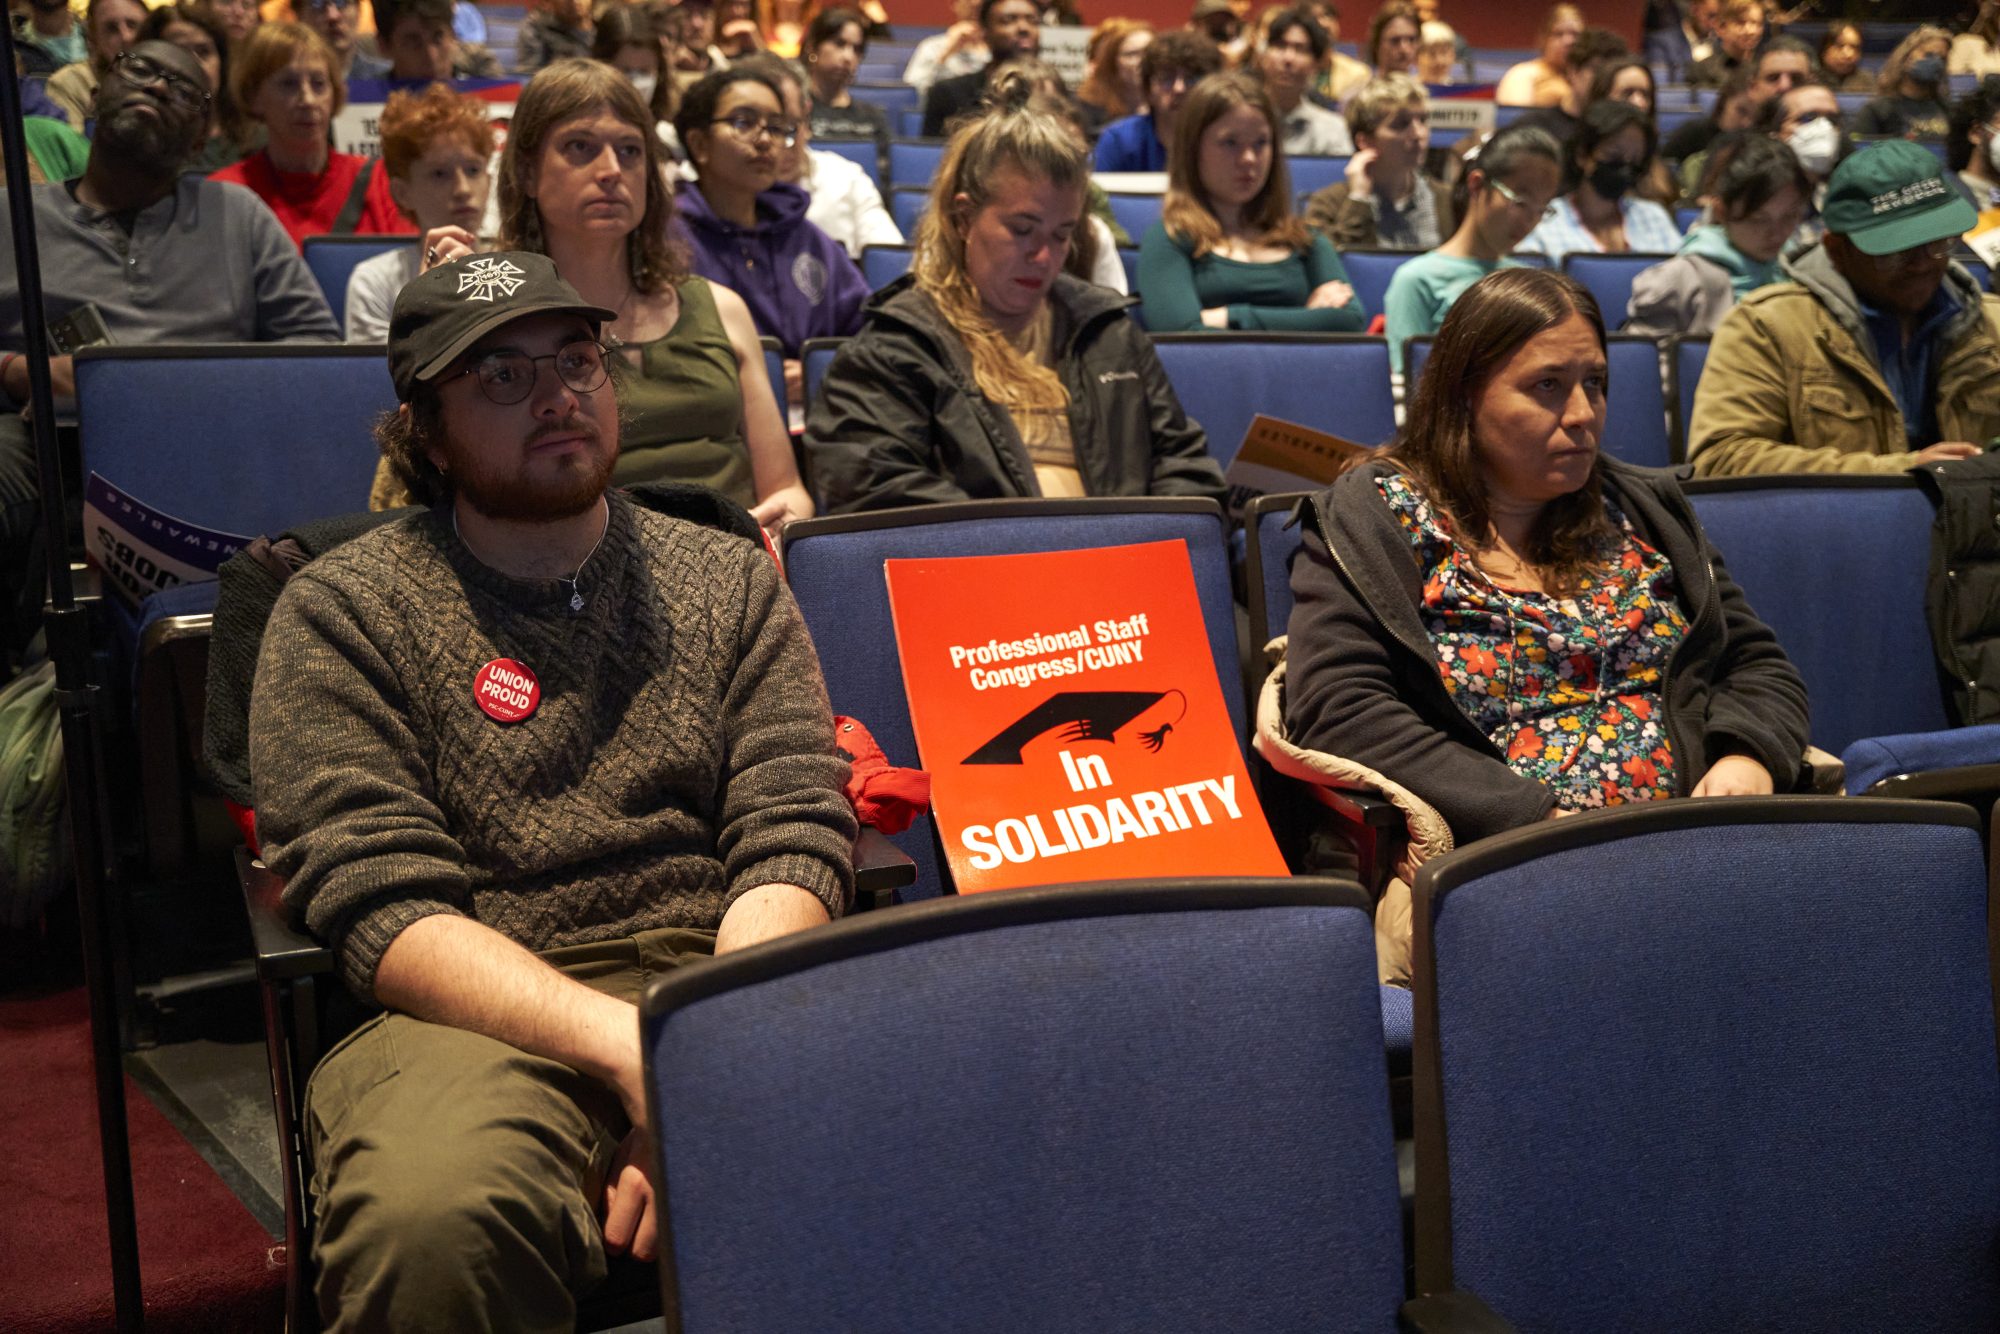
x: 987, y: 371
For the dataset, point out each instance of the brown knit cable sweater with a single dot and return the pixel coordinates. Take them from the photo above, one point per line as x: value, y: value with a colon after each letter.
x: 682, y: 751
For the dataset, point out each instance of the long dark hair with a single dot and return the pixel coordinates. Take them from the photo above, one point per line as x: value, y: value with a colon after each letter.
x: 1187, y: 212
x: 1436, y: 449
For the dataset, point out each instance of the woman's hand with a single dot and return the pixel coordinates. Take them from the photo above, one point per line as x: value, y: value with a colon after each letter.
x: 961, y: 37
x: 1332, y: 295
x: 1215, y: 317
x: 442, y: 245
x: 782, y: 506
x: 1735, y: 776
x: 1361, y: 176
x: 795, y: 381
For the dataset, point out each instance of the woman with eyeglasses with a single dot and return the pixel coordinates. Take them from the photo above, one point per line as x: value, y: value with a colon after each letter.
x: 1228, y: 251
x: 1759, y: 198
x: 749, y: 229
x: 1501, y: 197
x: 285, y: 79
x: 582, y: 181
x: 1609, y: 155
x: 1499, y: 618
x: 230, y: 133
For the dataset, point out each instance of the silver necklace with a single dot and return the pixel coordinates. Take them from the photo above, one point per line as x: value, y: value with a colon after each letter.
x: 576, y: 601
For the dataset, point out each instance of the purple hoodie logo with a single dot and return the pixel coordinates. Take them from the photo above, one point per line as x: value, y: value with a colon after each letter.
x: 809, y: 276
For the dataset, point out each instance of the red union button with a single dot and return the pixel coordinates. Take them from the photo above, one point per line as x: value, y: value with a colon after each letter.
x: 507, y: 690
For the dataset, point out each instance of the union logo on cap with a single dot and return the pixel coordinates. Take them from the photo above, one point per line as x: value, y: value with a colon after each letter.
x: 483, y: 276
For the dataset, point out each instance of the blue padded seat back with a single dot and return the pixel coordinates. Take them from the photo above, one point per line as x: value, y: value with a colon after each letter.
x: 838, y: 581
x: 1370, y: 271
x: 1337, y: 383
x: 1136, y: 213
x: 1277, y: 544
x: 1159, y: 1121
x: 1838, y: 573
x: 332, y: 260
x: 247, y: 439
x: 1635, y: 415
x: 1873, y: 759
x: 1609, y: 279
x: 1688, y: 356
x: 912, y: 162
x: 1728, y: 1077
x: 861, y: 152
x: 774, y: 371
x: 883, y: 264
x: 817, y: 355
x: 906, y: 207
x: 1316, y: 173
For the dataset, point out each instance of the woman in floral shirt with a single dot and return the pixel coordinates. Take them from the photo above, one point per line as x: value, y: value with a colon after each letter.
x: 1513, y: 626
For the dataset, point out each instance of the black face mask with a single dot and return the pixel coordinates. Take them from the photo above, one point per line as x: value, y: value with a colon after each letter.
x: 1612, y: 179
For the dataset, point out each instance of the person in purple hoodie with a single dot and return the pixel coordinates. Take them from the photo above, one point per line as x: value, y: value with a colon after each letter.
x: 749, y: 230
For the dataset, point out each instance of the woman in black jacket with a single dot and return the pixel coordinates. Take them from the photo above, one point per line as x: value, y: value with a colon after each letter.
x: 988, y: 371
x: 1511, y: 625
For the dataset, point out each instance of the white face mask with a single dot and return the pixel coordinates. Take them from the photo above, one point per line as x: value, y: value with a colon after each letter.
x: 1817, y: 144
x: 645, y: 84
x: 1993, y: 150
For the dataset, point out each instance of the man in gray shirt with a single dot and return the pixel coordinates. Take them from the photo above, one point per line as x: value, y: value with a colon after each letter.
x: 164, y: 258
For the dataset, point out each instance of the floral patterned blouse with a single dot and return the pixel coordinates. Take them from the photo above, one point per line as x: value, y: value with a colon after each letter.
x: 1570, y: 689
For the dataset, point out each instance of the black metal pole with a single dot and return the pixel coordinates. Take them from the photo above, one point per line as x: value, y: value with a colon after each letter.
x: 69, y: 647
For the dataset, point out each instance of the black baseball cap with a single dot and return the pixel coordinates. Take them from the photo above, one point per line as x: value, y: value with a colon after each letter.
x: 448, y: 308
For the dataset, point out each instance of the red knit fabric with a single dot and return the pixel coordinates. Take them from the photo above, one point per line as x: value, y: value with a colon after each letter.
x: 307, y: 205
x: 885, y: 797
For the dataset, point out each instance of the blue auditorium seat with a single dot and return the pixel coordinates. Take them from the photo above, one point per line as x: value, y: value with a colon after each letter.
x: 333, y: 259
x: 1338, y: 383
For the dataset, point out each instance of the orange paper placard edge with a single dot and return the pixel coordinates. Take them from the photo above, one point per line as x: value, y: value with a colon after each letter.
x: 1067, y: 707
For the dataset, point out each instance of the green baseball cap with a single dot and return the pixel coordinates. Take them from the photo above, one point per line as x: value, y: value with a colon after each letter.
x: 1893, y: 195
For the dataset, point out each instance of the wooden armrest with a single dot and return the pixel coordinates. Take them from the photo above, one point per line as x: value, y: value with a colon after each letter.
x: 1360, y: 804
x: 880, y: 869
x: 284, y: 950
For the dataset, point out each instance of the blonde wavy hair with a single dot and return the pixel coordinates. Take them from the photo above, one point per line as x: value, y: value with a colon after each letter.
x: 1010, y: 134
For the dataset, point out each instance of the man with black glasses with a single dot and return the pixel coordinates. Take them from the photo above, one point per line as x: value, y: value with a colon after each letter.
x: 515, y: 754
x: 160, y: 258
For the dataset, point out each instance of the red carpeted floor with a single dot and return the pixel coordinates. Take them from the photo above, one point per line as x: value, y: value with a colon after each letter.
x: 206, y: 1266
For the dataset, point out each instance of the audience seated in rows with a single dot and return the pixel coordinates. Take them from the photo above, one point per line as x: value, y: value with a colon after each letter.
x: 959, y: 49
x: 1974, y: 158
x: 1290, y: 53
x: 1912, y: 90
x: 162, y: 257
x: 1739, y: 33
x: 1504, y: 195
x: 109, y: 26
x: 238, y: 18
x: 503, y: 880
x: 436, y: 150
x: 1010, y: 28
x: 230, y: 134
x: 581, y: 181
x: 1627, y: 79
x: 1809, y: 121
x: 1548, y: 80
x: 1519, y: 627
x: 1840, y: 59
x: 1678, y: 34
x: 836, y: 43
x: 1394, y: 35
x: 749, y: 229
x: 1611, y: 152
x: 841, y: 200
x: 1386, y: 199
x: 987, y: 371
x: 336, y: 22
x: 1437, y: 54
x: 1172, y: 66
x: 1758, y: 203
x: 1342, y: 75
x: 285, y: 80
x: 1228, y: 252
x: 417, y: 38
x: 1736, y: 107
x: 1880, y: 354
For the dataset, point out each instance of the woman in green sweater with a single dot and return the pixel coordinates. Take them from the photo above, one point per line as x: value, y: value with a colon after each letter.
x: 1228, y: 252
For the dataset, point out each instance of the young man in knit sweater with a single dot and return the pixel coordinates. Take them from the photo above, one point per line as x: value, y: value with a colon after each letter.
x: 514, y: 755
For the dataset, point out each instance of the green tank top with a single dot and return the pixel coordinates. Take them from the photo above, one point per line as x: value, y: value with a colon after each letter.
x: 682, y: 405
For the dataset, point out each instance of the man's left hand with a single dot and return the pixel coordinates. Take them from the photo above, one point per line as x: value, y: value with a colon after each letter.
x: 1735, y: 776
x: 631, y: 1218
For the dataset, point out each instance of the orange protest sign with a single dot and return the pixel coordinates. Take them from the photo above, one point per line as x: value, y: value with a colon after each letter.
x: 1067, y: 708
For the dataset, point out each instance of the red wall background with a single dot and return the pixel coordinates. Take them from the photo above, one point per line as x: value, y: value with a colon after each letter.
x: 1480, y: 22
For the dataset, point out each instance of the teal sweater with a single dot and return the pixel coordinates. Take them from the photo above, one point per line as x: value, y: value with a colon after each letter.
x: 1175, y: 288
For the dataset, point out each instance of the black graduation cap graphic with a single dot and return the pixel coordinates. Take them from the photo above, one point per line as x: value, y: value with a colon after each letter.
x: 1084, y: 715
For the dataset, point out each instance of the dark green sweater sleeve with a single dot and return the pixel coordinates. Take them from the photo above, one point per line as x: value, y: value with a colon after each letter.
x: 1322, y: 266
